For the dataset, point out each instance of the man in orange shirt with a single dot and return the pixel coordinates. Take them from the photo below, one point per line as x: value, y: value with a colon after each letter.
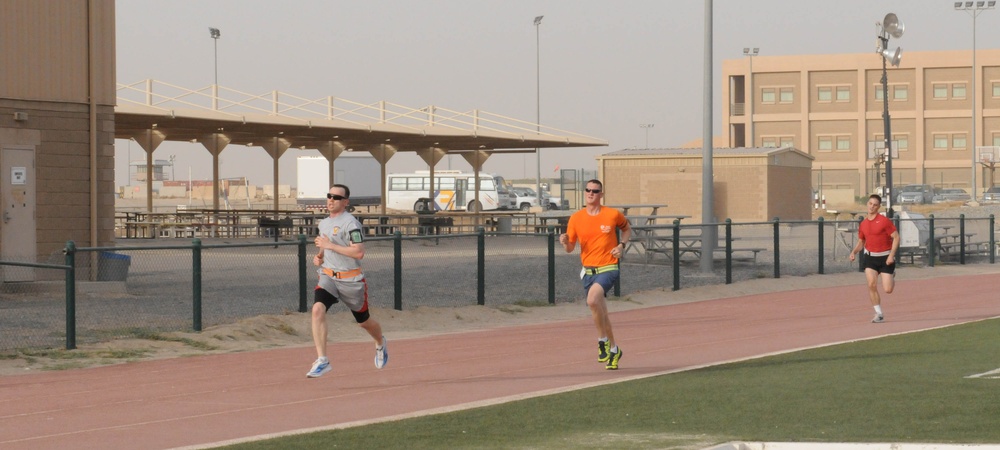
x: 595, y: 228
x: 878, y: 237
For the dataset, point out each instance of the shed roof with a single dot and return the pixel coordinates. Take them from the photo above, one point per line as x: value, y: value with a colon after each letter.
x: 697, y: 152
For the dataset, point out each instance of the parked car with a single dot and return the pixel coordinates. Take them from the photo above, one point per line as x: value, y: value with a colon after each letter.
x: 992, y: 195
x: 951, y: 195
x: 525, y: 198
x: 915, y: 193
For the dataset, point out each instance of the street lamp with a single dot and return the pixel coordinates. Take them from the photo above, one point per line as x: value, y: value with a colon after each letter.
x: 538, y: 108
x: 647, y: 126
x: 890, y: 27
x: 214, y: 32
x: 751, y: 53
x: 974, y: 8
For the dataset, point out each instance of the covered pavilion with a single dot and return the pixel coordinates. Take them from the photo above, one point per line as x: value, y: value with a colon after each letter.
x: 151, y: 112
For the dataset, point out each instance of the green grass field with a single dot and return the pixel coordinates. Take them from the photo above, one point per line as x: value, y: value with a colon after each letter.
x: 906, y: 388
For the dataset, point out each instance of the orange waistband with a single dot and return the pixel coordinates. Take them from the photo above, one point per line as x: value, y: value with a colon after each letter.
x: 347, y: 274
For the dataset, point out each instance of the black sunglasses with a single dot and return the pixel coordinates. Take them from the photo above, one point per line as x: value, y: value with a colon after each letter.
x: 336, y: 197
x: 593, y: 191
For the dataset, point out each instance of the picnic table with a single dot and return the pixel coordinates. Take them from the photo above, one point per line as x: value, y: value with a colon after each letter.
x: 625, y: 208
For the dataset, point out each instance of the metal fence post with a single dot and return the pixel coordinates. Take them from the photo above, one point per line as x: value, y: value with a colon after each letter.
x: 777, y: 251
x: 397, y: 270
x: 552, y: 266
x: 302, y: 273
x: 729, y: 251
x: 196, y: 283
x: 677, y: 254
x: 993, y: 242
x: 819, y: 220
x: 70, y: 295
x: 961, y: 238
x: 481, y: 266
x: 931, y: 247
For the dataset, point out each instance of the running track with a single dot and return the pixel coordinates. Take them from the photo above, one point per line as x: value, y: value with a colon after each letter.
x: 206, y: 400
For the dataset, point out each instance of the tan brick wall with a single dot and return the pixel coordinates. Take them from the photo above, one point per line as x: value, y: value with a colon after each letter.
x: 62, y: 169
x: 746, y: 189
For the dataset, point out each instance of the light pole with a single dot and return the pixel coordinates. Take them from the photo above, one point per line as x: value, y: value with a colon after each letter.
x: 647, y: 126
x: 538, y: 108
x: 214, y: 32
x: 749, y: 98
x: 890, y: 26
x: 974, y: 8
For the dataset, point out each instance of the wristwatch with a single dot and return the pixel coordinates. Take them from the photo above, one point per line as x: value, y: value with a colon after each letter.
x: 623, y: 243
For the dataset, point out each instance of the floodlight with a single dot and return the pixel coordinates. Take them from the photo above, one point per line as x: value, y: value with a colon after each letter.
x: 893, y: 56
x: 892, y: 25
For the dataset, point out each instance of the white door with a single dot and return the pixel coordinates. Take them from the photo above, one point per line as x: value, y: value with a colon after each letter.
x: 17, y: 218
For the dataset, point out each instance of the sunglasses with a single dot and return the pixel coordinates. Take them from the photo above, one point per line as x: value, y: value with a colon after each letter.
x: 593, y: 191
x: 336, y: 197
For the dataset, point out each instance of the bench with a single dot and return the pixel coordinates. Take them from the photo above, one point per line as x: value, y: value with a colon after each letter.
x: 273, y: 227
x: 948, y: 250
x: 433, y: 225
x: 745, y: 253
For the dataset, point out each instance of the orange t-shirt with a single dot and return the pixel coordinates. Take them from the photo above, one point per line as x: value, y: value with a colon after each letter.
x: 596, y: 234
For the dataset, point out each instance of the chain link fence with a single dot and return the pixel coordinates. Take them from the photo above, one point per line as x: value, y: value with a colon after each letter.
x: 135, y: 290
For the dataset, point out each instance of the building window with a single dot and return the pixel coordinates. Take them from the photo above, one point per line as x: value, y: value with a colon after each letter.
x: 958, y: 141
x: 940, y: 142
x: 786, y: 141
x: 878, y: 92
x: 843, y: 143
x: 996, y: 140
x: 825, y: 94
x: 940, y: 91
x: 900, y: 92
x: 958, y: 90
x: 996, y: 89
x: 767, y: 95
x: 843, y: 93
x: 786, y: 95
x: 902, y: 142
x: 768, y: 141
x: 825, y: 143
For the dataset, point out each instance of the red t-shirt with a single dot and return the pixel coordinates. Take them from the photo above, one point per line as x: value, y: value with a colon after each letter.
x: 596, y: 235
x: 877, y: 233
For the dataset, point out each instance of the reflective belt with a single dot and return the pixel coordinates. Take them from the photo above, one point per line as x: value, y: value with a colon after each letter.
x: 602, y: 269
x: 348, y: 274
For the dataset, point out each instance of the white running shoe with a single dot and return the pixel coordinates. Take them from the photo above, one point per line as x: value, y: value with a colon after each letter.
x: 878, y: 318
x: 382, y: 354
x: 319, y: 367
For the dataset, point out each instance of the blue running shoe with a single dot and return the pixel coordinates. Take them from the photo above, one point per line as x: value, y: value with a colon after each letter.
x: 382, y: 354
x: 320, y: 366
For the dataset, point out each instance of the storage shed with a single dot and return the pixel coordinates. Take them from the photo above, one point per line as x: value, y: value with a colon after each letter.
x: 751, y: 184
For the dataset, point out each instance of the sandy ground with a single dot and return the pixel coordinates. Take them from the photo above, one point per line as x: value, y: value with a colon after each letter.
x: 293, y: 330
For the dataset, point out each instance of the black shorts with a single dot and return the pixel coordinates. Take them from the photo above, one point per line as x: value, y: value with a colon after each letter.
x: 878, y: 264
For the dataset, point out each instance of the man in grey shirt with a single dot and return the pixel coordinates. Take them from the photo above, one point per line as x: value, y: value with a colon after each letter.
x: 341, y: 248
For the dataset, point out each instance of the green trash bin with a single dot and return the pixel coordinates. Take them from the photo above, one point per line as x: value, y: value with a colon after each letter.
x: 113, y: 266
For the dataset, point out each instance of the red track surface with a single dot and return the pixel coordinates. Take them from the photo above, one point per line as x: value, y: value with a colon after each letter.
x: 199, y: 401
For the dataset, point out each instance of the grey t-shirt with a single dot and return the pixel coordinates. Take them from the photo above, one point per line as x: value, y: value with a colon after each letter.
x: 342, y: 229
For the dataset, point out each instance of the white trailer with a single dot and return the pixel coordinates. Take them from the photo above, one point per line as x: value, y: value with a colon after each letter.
x: 360, y: 172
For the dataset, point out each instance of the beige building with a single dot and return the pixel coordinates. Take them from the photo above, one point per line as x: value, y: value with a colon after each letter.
x: 751, y: 184
x: 57, y: 123
x: 831, y: 107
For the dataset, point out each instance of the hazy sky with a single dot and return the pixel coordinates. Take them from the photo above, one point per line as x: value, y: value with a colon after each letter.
x: 606, y: 66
